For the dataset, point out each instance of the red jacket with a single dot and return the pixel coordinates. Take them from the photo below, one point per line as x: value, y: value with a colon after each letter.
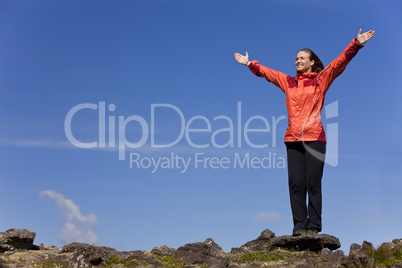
x: 305, y: 94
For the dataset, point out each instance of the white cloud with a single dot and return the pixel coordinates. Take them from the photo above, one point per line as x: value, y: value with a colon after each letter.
x: 76, y: 227
x: 268, y: 216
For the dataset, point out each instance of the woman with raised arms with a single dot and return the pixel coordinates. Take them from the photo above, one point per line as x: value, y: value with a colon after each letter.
x: 305, y: 138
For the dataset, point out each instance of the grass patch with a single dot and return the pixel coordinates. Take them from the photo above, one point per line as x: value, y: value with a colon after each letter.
x: 129, y: 262
x: 257, y: 256
x: 51, y: 263
x: 385, y: 255
x: 170, y: 261
x: 8, y: 261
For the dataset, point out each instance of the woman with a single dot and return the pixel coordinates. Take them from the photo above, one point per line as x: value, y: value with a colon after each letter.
x: 305, y: 137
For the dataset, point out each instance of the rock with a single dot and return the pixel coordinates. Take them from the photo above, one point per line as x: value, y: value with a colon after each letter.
x: 340, y: 252
x: 325, y: 252
x: 388, y: 246
x: 85, y: 254
x: 90, y: 255
x: 265, y: 251
x: 309, y: 242
x: 354, y: 248
x: 357, y: 256
x: 139, y: 258
x: 48, y: 247
x: 367, y: 246
x: 266, y: 235
x: 267, y: 240
x: 359, y: 260
x: 304, y: 266
x: 259, y: 244
x: 332, y: 259
x: 397, y: 241
x: 396, y: 265
x: 357, y: 249
x: 36, y: 258
x: 219, y: 263
x: 163, y: 251
x: 306, y: 258
x: 14, y: 239
x: 215, y: 249
x: 200, y: 252
x: 239, y: 250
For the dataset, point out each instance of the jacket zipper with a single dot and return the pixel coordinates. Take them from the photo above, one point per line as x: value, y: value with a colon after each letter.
x: 321, y: 96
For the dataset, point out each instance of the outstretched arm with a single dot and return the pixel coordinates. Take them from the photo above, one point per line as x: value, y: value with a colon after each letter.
x: 242, y: 59
x: 363, y: 38
x: 277, y: 78
x: 337, y: 66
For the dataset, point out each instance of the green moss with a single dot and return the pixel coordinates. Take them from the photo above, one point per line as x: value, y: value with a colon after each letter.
x: 311, y: 252
x: 170, y: 261
x: 256, y: 256
x: 385, y: 255
x: 8, y: 261
x: 51, y: 263
x: 129, y: 262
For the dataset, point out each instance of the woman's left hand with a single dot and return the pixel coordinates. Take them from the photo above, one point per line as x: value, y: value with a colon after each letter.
x: 363, y: 38
x: 242, y: 59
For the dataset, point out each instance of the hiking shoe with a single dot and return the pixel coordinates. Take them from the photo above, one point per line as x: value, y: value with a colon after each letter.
x: 312, y: 231
x: 299, y: 233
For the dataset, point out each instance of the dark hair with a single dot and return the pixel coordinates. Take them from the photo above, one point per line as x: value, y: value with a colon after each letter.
x: 318, y: 66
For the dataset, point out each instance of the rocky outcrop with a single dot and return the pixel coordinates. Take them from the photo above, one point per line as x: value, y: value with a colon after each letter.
x: 267, y: 250
x: 88, y: 254
x: 199, y: 253
x: 308, y: 242
x: 85, y: 255
x: 261, y: 243
x: 358, y: 254
x: 163, y: 251
x: 267, y: 241
x: 14, y: 239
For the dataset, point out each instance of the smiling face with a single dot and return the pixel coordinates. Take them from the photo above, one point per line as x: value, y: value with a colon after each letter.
x: 303, y: 62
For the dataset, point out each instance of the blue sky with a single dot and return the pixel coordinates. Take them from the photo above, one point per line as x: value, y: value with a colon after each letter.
x: 170, y: 62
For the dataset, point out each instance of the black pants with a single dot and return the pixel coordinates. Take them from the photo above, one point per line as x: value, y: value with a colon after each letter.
x: 305, y: 168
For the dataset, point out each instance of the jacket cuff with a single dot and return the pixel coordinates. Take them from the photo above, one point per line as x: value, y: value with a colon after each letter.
x: 253, y: 66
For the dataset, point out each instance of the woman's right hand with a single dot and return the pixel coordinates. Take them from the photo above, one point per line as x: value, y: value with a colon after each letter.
x: 242, y: 59
x: 363, y: 38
